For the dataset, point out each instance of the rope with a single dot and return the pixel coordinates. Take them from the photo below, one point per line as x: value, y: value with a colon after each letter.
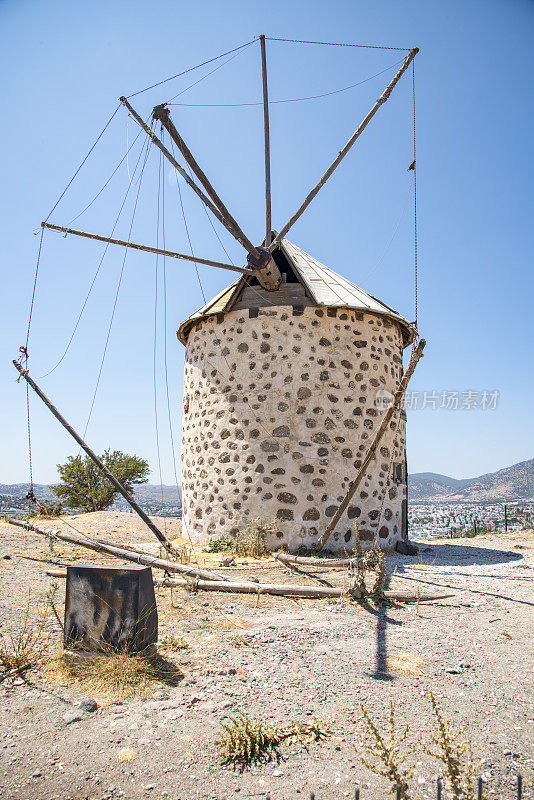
x: 416, y: 276
x: 97, y: 195
x: 24, y: 354
x: 149, y: 142
x: 30, y: 315
x: 30, y: 495
x: 191, y: 69
x: 95, y: 276
x: 337, y: 44
x: 391, y: 240
x: 205, y: 76
x: 154, y: 360
x: 63, y: 193
x: 287, y: 100
x: 169, y: 415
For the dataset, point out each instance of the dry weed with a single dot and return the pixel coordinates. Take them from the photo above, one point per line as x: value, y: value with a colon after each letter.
x: 244, y: 742
x: 455, y: 753
x: 251, y: 541
x: 387, y: 751
x: 386, y: 754
x: 173, y: 643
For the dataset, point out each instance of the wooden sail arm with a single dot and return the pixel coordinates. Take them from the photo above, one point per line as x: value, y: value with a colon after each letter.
x: 343, y: 152
x: 162, y: 114
x: 147, y: 249
x: 241, y: 238
x: 399, y: 394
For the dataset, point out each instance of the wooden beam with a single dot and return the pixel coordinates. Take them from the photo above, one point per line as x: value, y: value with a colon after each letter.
x: 146, y: 249
x: 416, y: 355
x: 290, y: 590
x: 267, y: 145
x: 162, y: 114
x: 190, y: 182
x: 284, y: 590
x: 99, y: 546
x: 101, y: 466
x: 285, y: 558
x: 343, y: 152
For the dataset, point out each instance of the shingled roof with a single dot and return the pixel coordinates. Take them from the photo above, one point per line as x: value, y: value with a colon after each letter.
x: 322, y: 286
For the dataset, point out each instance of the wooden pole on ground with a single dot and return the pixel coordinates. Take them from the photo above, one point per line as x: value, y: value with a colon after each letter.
x: 416, y: 355
x: 146, y: 248
x: 101, y: 466
x: 343, y: 152
x: 99, y: 546
x: 281, y: 589
x: 267, y: 143
x: 288, y: 590
x: 285, y: 558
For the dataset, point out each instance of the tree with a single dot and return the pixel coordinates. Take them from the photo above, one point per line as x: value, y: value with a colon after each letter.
x: 84, y: 486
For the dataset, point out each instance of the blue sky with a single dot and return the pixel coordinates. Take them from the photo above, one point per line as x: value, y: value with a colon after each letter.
x: 64, y: 66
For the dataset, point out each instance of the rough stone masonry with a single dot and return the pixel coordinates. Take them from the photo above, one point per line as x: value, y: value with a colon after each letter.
x: 279, y: 410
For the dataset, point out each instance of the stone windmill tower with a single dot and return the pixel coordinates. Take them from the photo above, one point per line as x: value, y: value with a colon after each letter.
x: 286, y: 373
x: 282, y: 395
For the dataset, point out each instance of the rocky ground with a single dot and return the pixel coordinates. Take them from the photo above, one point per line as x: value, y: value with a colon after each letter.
x: 280, y: 660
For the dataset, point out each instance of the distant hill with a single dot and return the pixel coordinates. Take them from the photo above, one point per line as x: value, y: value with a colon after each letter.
x: 513, y: 483
x: 145, y: 493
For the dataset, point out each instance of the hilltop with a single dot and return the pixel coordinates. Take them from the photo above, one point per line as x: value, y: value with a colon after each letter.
x: 512, y: 483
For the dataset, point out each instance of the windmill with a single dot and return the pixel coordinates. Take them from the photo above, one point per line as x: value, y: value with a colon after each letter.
x: 293, y: 381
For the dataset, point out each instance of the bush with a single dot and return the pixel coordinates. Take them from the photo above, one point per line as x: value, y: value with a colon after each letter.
x: 251, y: 541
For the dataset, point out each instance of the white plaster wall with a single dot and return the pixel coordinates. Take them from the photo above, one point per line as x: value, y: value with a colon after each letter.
x: 279, y: 410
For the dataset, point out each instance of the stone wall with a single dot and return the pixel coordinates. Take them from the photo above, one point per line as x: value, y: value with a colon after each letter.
x: 279, y: 410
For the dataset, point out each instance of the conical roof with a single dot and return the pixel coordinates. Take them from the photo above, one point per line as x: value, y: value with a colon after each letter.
x: 322, y: 286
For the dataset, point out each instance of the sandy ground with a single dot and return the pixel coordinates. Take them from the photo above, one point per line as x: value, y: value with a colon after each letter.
x: 281, y: 660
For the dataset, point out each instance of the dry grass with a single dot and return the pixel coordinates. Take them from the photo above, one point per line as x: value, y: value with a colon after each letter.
x: 28, y: 643
x: 244, y: 741
x: 239, y: 641
x: 114, y: 675
x: 406, y: 663
x: 125, y: 755
x: 227, y: 623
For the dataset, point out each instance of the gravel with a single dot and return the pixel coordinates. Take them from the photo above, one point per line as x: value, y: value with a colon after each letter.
x: 282, y: 660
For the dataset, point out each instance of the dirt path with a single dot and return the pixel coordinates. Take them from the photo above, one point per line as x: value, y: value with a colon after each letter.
x: 281, y: 660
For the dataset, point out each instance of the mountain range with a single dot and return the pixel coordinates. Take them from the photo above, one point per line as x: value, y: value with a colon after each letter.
x: 513, y: 483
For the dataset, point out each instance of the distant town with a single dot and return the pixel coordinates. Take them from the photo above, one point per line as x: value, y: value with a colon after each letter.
x: 426, y: 518
x: 429, y: 519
